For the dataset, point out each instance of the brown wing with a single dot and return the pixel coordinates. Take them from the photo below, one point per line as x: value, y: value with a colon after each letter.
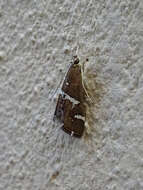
x: 73, y: 83
x: 66, y: 111
x: 71, y: 123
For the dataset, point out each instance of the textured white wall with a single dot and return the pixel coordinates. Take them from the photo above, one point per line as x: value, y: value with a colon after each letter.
x: 37, y: 42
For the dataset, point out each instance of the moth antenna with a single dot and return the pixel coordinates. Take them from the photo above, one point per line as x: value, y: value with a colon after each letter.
x: 77, y: 47
x: 82, y: 71
x: 53, y: 94
x: 87, y: 94
x: 60, y: 83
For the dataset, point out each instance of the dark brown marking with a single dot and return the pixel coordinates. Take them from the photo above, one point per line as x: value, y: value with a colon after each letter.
x: 66, y: 110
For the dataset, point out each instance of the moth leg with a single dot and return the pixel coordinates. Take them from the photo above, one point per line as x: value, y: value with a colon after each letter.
x: 91, y: 99
x: 82, y: 73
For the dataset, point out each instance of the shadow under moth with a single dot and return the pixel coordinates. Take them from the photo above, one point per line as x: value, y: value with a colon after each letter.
x: 70, y: 109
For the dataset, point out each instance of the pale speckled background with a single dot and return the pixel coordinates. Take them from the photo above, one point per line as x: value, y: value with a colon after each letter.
x: 37, y: 42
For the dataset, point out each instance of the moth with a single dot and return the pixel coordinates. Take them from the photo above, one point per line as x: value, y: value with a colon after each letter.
x: 70, y: 109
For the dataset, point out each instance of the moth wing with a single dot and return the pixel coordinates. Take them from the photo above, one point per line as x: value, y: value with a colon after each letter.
x: 73, y: 84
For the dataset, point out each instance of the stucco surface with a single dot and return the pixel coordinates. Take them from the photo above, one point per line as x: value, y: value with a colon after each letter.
x: 37, y: 42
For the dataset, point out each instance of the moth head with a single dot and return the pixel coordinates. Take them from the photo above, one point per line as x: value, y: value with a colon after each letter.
x: 76, y: 60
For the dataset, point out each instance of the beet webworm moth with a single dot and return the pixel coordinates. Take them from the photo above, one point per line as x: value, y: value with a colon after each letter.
x: 70, y: 109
